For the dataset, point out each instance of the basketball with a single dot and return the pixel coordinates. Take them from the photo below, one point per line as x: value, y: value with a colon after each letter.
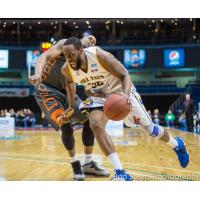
x: 116, y: 107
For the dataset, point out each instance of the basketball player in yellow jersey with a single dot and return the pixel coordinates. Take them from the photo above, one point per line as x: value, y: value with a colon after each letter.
x: 102, y: 75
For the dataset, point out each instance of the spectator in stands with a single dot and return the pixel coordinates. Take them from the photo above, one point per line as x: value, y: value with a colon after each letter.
x: 22, y: 119
x: 44, y: 120
x: 2, y: 113
x: 31, y: 118
x: 19, y: 118
x: 7, y: 114
x: 156, y: 117
x: 182, y: 121
x: 189, y: 111
x: 26, y: 117
x: 25, y: 111
x: 198, y: 123
x: 12, y: 112
x: 169, y: 118
x: 150, y: 114
x: 196, y: 120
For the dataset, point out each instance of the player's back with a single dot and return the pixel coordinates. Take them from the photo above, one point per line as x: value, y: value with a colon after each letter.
x: 53, y: 75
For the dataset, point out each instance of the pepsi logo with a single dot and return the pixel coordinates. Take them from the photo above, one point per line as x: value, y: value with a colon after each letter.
x: 174, y: 55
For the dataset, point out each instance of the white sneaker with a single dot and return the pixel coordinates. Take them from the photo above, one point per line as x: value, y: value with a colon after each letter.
x: 93, y: 169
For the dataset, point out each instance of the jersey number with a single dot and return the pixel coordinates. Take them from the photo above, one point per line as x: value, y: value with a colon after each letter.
x: 96, y: 84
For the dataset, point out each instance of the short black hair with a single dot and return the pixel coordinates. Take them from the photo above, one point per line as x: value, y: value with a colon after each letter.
x: 75, y: 41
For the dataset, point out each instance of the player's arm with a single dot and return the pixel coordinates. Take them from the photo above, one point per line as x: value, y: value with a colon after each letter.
x: 110, y: 63
x: 70, y: 86
x: 89, y: 41
x: 48, y: 56
x: 89, y: 93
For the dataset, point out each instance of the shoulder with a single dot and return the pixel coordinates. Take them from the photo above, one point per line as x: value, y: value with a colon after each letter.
x: 90, y: 49
x: 102, y: 53
x: 104, y: 57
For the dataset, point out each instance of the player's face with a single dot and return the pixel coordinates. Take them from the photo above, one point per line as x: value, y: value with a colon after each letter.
x: 73, y: 56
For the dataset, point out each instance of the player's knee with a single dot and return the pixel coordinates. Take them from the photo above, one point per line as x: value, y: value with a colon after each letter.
x: 155, y: 130
x: 96, y: 126
x: 87, y: 135
x: 67, y: 136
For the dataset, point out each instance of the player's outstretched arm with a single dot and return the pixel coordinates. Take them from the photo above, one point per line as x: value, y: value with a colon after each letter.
x: 49, y: 56
x: 110, y: 63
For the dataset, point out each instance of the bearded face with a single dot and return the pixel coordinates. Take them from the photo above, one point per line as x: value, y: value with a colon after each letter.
x: 73, y: 56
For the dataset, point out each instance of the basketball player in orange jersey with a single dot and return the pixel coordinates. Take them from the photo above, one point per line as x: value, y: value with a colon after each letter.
x: 50, y: 93
x: 102, y: 75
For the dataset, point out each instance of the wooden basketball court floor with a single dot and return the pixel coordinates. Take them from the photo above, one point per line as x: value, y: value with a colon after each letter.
x: 40, y: 155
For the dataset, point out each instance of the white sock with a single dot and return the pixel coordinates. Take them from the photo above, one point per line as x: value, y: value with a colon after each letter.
x: 88, y: 158
x: 172, y: 142
x: 73, y: 159
x: 114, y: 160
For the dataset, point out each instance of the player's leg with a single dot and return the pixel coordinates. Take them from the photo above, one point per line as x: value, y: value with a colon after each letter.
x: 97, y: 123
x: 140, y: 116
x: 90, y: 166
x: 51, y: 103
x: 67, y: 135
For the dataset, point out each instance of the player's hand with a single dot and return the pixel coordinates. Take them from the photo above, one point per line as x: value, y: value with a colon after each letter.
x: 94, y: 94
x: 128, y: 99
x: 65, y: 117
x: 69, y: 112
x: 35, y: 79
x: 100, y: 95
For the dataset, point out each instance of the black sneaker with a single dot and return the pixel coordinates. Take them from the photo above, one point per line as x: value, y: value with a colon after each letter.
x: 78, y: 174
x: 93, y: 169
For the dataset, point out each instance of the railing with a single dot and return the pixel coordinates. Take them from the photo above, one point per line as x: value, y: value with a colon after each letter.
x: 177, y: 103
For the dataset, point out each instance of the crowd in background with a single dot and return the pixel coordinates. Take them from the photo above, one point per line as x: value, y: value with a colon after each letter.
x: 23, y: 118
x: 186, y: 118
x: 169, y: 119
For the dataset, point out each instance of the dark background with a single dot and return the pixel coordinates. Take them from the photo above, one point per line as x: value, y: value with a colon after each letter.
x: 154, y: 57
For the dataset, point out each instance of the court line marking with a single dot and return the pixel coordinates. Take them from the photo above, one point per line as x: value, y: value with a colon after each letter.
x: 159, y: 167
x: 132, y: 164
x: 64, y: 163
x: 133, y: 173
x: 162, y: 176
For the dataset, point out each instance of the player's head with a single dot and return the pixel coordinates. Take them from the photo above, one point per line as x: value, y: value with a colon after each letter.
x: 72, y: 50
x: 88, y: 41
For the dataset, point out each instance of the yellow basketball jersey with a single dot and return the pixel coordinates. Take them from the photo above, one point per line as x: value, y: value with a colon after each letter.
x: 97, y: 78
